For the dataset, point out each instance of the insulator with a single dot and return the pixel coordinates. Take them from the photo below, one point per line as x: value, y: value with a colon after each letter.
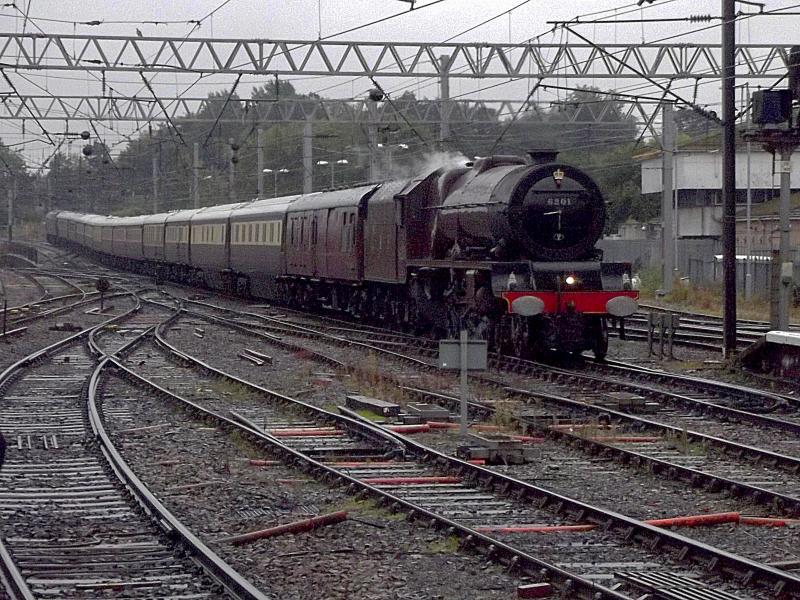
x: 700, y: 18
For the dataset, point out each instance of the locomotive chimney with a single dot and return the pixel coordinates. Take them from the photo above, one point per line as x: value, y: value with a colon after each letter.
x: 541, y: 157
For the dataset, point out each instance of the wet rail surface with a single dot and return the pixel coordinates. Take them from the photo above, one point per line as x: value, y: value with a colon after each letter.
x: 686, y: 449
x: 70, y: 529
x: 318, y: 440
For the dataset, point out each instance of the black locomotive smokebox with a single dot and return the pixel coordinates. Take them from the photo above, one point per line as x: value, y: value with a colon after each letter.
x: 556, y: 212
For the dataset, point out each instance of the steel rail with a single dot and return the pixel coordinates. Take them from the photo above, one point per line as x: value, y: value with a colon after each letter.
x: 710, y: 557
x: 497, y: 550
x: 41, y: 354
x: 711, y: 407
x: 788, y: 462
x: 657, y: 466
x: 302, y: 329
x: 704, y: 384
x: 709, y: 316
x: 340, y: 420
x: 741, y: 391
x: 15, y: 583
x: 213, y: 564
x: 18, y: 586
x: 222, y: 572
x: 46, y: 297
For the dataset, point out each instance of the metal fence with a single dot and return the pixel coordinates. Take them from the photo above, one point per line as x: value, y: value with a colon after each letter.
x: 698, y: 260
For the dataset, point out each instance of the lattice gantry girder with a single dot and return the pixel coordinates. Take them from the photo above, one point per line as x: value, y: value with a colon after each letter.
x: 395, y: 59
x: 300, y: 110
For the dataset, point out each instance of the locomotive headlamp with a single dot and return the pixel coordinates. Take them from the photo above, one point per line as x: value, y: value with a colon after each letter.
x: 571, y: 280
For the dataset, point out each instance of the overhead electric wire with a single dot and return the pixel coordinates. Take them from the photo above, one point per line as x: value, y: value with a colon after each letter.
x: 35, y: 118
x: 612, y: 92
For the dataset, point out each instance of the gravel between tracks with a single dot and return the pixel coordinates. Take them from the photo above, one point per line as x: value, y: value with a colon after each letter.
x: 558, y: 467
x: 202, y: 474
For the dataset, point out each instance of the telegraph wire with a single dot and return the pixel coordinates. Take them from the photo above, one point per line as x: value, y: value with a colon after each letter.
x: 514, y: 118
x: 224, y: 106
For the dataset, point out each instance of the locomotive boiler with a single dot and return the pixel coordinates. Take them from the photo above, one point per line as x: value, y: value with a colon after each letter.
x: 504, y: 246
x: 518, y: 237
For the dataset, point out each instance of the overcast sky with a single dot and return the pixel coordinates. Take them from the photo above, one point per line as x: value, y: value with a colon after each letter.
x: 310, y: 19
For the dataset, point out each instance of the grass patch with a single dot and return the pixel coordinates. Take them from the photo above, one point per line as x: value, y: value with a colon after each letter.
x: 369, y: 415
x: 504, y: 413
x: 448, y: 545
x: 367, y: 507
x: 684, y: 444
x: 706, y: 298
x: 230, y: 390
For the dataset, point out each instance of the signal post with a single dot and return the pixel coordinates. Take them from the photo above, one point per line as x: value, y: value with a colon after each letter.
x: 778, y: 135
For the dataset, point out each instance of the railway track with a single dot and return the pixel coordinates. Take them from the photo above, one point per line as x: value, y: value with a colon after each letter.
x: 680, y: 452
x: 73, y: 520
x: 261, y: 421
x: 697, y: 330
x: 254, y: 323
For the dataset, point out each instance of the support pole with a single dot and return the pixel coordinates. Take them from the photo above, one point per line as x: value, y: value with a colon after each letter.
x: 729, y: 177
x: 785, y: 248
x: 667, y: 231
x: 155, y: 183
x: 464, y: 382
x: 260, y: 159
x: 308, y: 164
x: 12, y: 184
x: 444, y: 84
x: 48, y: 203
x: 748, y: 275
x: 372, y: 142
x: 232, y: 171
x: 196, y: 175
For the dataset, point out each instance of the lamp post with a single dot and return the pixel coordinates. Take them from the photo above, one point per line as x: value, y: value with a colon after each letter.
x: 275, y: 173
x: 341, y: 161
x: 322, y: 163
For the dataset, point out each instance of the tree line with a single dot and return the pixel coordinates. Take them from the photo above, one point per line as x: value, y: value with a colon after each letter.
x: 102, y: 181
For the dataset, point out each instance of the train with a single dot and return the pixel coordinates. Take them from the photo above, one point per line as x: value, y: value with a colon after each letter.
x: 503, y: 246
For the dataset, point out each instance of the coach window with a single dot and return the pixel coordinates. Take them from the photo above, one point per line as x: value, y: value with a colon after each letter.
x: 352, y: 230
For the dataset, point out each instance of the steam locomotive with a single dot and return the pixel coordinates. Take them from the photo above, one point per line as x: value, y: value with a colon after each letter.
x: 504, y: 246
